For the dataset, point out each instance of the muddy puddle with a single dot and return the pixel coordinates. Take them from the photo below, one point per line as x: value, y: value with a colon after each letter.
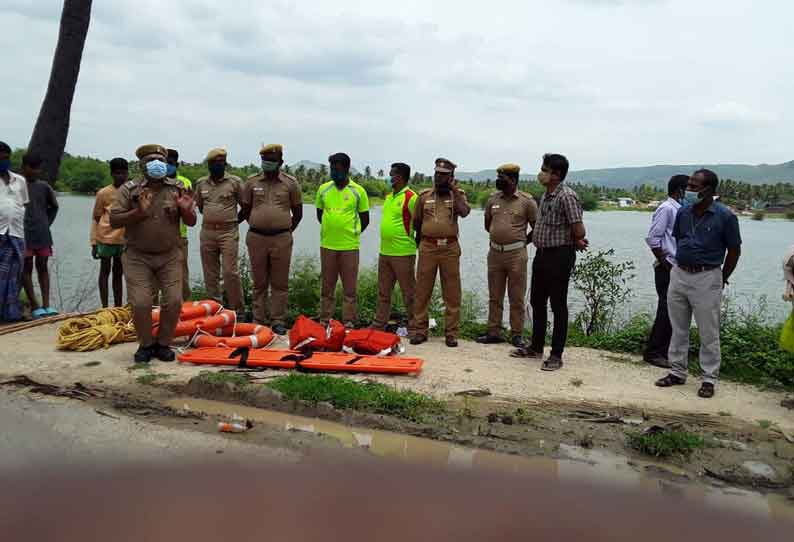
x: 574, y: 463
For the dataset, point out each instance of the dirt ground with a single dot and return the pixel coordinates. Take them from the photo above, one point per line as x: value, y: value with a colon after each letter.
x: 588, y: 376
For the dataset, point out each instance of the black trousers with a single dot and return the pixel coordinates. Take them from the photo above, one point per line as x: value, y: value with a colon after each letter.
x: 662, y: 331
x: 551, y: 274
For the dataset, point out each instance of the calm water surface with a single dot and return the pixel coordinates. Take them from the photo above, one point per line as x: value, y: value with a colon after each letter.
x: 759, y: 272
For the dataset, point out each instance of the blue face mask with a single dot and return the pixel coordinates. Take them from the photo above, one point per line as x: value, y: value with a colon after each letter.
x: 691, y: 198
x: 338, y: 176
x: 171, y: 170
x: 5, y: 165
x: 217, y: 170
x: 156, y: 169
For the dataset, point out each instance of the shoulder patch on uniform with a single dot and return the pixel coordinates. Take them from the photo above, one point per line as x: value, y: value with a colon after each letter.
x: 130, y: 184
x: 289, y: 177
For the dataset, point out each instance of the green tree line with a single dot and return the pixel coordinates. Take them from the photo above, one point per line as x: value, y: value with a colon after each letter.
x: 86, y: 175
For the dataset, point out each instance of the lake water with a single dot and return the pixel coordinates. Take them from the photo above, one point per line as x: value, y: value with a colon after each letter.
x: 759, y: 272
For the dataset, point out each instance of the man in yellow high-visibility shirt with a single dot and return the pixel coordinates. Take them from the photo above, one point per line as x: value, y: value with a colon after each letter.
x: 343, y: 213
x: 173, y: 166
x: 397, y: 260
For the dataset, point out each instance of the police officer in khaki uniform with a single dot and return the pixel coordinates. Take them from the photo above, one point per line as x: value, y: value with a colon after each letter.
x: 150, y: 209
x: 218, y: 196
x: 436, y: 225
x: 507, y: 215
x: 273, y: 206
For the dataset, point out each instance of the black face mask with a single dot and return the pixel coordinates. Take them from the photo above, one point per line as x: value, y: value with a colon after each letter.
x: 501, y: 184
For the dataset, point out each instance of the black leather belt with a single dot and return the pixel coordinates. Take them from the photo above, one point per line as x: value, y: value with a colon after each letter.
x: 269, y: 233
x: 694, y: 269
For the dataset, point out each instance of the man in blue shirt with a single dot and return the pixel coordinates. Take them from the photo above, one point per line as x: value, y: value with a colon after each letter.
x: 705, y: 230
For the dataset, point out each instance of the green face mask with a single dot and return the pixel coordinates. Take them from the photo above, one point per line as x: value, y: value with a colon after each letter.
x: 270, y: 167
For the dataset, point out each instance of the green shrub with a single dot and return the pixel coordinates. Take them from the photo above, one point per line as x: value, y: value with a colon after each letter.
x: 344, y: 393
x: 789, y: 215
x: 666, y: 443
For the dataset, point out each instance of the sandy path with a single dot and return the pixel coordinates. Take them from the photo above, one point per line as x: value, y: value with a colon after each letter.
x: 447, y: 371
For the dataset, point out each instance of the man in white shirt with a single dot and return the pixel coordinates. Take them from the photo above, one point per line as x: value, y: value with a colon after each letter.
x: 663, y: 245
x: 13, y: 198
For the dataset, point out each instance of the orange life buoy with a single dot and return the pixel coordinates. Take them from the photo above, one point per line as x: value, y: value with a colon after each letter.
x: 246, y: 335
x: 192, y: 310
x: 187, y: 328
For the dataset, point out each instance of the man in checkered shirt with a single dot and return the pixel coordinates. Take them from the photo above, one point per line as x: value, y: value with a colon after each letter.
x: 559, y: 233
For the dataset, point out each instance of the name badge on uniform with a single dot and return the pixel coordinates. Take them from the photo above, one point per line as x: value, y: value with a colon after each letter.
x: 441, y: 242
x: 258, y: 189
x: 205, y: 192
x: 430, y: 201
x: 495, y: 207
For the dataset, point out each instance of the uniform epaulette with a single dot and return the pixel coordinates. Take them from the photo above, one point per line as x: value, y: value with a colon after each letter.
x: 425, y: 191
x: 130, y: 184
x: 290, y: 177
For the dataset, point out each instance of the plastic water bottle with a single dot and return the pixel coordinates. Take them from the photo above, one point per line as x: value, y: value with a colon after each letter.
x: 232, y: 427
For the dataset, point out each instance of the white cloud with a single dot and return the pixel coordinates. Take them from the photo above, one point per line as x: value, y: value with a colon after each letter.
x: 608, y: 82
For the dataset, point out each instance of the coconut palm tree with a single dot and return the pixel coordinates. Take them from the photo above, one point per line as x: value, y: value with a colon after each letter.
x: 52, y: 127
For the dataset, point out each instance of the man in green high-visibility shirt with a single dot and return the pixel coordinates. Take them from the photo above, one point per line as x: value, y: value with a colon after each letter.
x: 173, y: 166
x: 343, y: 213
x: 397, y: 260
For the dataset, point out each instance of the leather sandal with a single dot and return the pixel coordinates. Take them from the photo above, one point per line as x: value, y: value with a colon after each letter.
x: 706, y: 390
x: 670, y: 380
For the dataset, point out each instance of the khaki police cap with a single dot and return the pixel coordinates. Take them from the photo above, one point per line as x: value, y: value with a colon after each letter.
x: 146, y: 150
x: 509, y: 168
x: 216, y: 153
x: 272, y: 148
x: 445, y: 166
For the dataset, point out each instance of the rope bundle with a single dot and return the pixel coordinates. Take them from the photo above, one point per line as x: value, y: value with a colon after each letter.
x: 97, y: 330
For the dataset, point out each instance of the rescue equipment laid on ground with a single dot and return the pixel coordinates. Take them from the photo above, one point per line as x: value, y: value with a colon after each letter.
x: 97, y: 330
x: 192, y: 310
x: 371, y: 342
x: 302, y: 361
x: 245, y: 335
x: 306, y: 334
x: 188, y: 328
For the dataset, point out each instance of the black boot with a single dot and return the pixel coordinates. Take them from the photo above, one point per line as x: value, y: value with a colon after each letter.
x: 163, y: 353
x: 143, y: 355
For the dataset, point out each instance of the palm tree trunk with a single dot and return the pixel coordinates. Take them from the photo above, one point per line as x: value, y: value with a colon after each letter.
x: 52, y: 127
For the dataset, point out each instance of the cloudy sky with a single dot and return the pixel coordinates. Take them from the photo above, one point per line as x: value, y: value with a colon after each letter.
x: 607, y: 82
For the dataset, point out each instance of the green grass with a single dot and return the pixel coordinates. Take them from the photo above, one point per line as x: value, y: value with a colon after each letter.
x: 665, y: 444
x: 344, y: 393
x: 214, y: 378
x: 765, y: 424
x: 149, y: 379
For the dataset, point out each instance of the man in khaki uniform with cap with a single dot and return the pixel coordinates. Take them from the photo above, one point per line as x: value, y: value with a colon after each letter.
x: 218, y: 196
x: 273, y: 206
x: 507, y: 215
x: 436, y: 225
x: 150, y: 209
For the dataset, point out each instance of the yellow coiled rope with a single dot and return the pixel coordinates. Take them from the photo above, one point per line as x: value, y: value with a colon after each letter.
x: 97, y: 330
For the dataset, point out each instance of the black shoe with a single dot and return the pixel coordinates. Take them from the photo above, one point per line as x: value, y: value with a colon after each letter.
x: 418, y: 339
x: 163, y: 353
x: 518, y: 341
x: 143, y: 355
x: 658, y: 361
x: 670, y: 380
x: 706, y: 390
x: 452, y: 342
x: 553, y: 363
x: 490, y: 339
x: 278, y: 329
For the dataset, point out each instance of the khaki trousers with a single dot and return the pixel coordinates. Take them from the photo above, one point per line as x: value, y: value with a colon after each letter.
x: 391, y: 270
x: 444, y: 260
x: 507, y: 270
x: 145, y: 273
x: 186, y: 291
x: 270, y: 262
x: 222, y: 247
x: 336, y: 264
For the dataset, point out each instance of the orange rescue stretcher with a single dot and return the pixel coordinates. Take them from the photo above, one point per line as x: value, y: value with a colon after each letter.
x: 307, y: 362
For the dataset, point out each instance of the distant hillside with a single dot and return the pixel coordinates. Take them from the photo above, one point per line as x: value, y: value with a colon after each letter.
x: 627, y: 177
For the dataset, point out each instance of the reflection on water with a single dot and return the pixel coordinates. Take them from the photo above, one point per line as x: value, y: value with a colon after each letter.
x: 759, y: 271
x: 596, y: 466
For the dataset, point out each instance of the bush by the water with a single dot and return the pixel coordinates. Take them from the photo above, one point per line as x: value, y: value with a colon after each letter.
x: 345, y: 393
x: 665, y: 443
